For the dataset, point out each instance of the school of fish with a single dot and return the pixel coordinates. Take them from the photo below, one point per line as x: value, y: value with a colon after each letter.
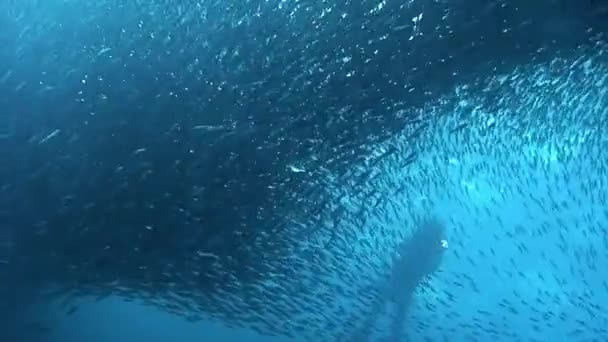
x: 262, y: 185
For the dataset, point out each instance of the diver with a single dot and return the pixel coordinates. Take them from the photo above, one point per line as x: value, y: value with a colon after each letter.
x: 417, y: 258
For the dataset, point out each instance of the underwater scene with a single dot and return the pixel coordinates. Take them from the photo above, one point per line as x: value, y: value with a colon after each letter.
x: 296, y: 170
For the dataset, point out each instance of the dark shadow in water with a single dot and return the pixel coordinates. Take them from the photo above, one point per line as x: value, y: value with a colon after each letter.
x: 417, y: 258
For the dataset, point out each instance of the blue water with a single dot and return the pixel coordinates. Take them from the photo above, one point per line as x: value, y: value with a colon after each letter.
x: 113, y: 320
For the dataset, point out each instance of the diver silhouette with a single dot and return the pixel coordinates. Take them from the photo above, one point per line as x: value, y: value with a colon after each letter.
x: 417, y: 257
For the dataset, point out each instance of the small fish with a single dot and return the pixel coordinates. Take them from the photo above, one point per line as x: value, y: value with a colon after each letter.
x: 103, y: 51
x: 50, y: 136
x: 209, y: 128
x: 296, y: 169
